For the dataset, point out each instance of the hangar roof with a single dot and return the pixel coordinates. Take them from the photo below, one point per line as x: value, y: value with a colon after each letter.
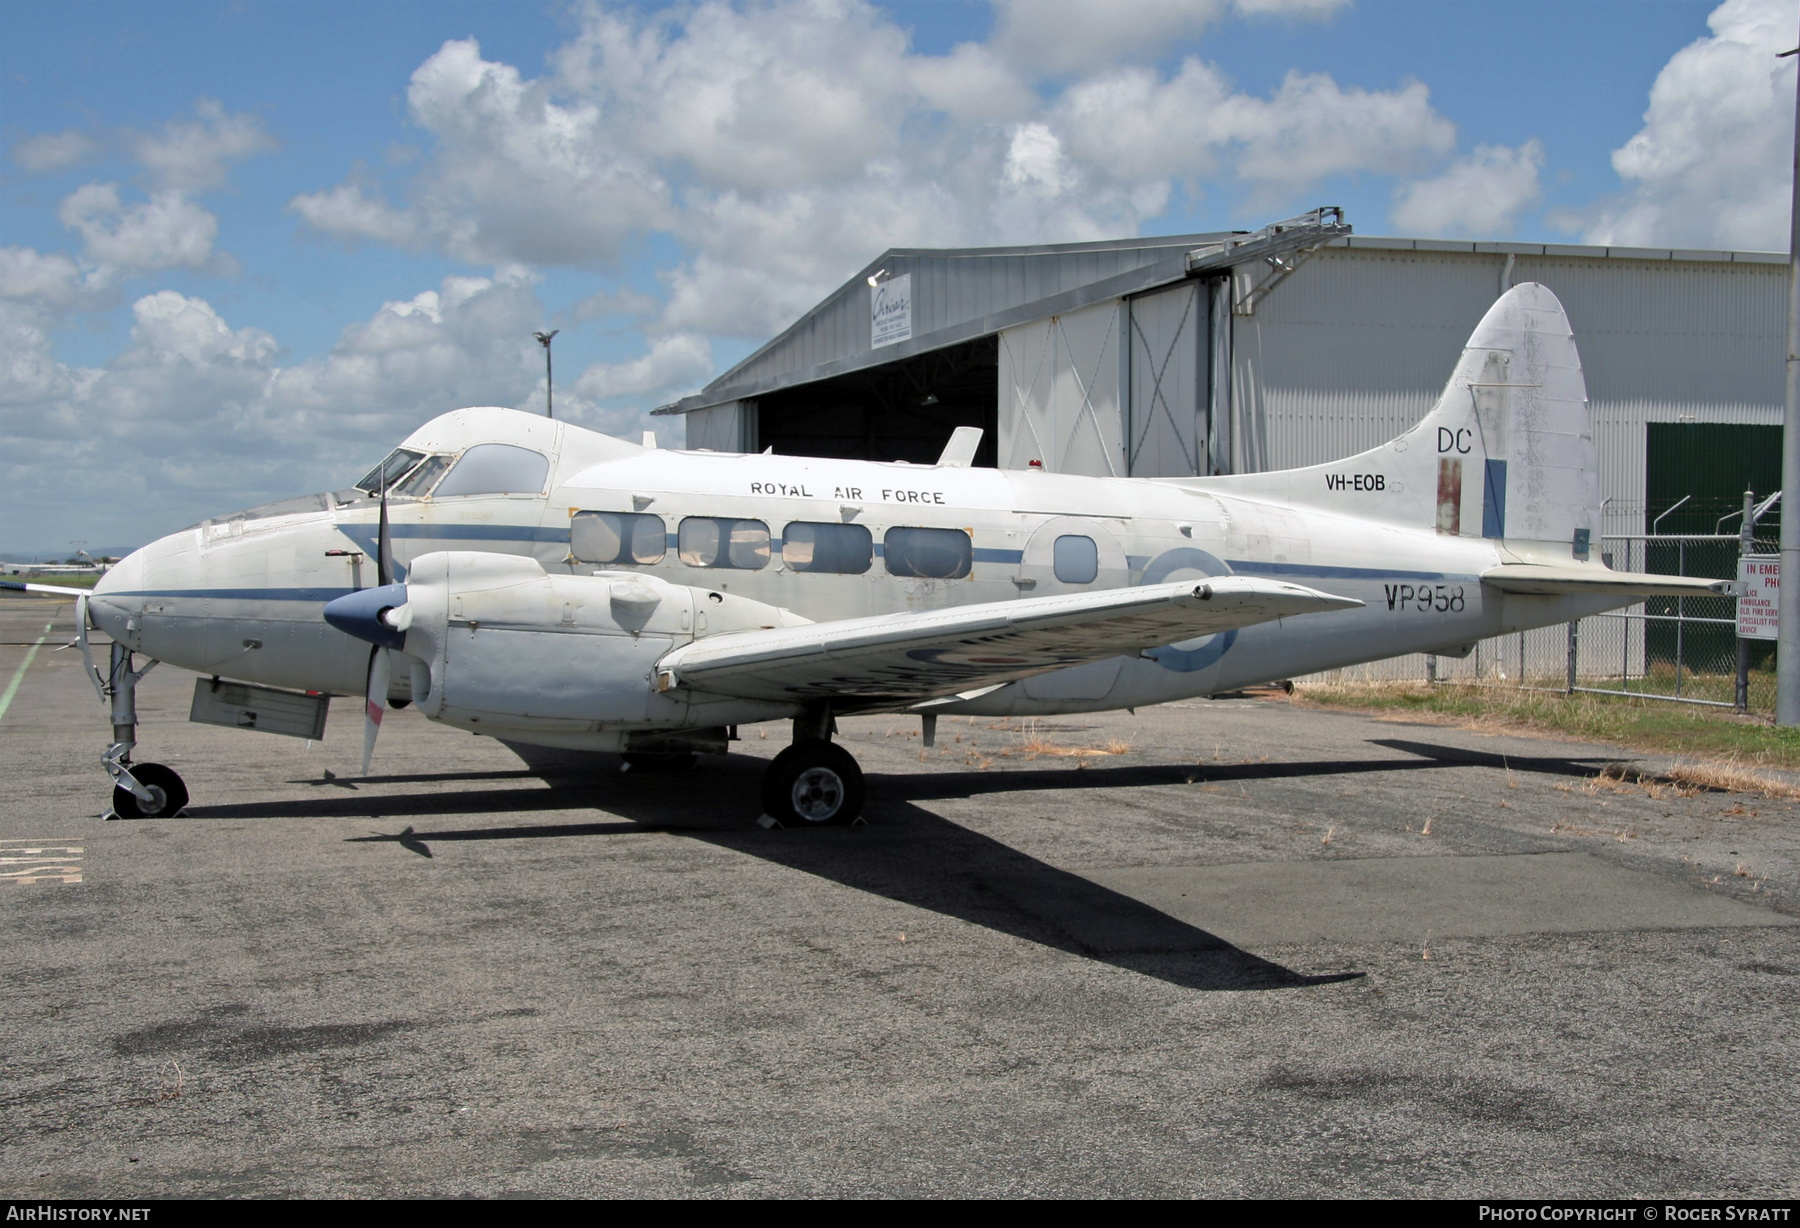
x: 963, y: 293
x: 957, y: 294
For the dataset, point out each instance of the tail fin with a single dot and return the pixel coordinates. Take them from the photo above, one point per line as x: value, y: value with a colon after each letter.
x: 1508, y: 452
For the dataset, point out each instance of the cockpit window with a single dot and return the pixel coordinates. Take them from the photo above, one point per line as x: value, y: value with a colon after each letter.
x: 496, y: 469
x: 418, y: 483
x: 390, y: 470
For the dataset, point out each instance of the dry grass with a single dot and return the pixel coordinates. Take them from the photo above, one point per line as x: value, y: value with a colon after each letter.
x: 1033, y: 744
x: 1687, y: 780
x: 1693, y: 733
x: 1732, y: 777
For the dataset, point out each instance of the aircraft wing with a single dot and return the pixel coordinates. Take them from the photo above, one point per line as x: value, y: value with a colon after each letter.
x: 946, y: 652
x: 1597, y: 581
x: 64, y: 589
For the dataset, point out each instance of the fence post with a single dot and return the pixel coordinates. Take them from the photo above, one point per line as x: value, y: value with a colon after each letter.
x: 1430, y: 668
x: 1746, y: 544
x: 1574, y: 648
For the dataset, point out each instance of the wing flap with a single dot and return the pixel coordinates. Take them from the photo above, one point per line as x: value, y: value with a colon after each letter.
x: 1547, y: 581
x: 947, y: 652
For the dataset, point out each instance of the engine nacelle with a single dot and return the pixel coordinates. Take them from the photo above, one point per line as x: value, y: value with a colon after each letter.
x: 510, y: 648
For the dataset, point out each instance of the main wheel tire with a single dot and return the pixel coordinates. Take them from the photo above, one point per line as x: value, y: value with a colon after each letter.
x: 813, y: 784
x: 168, y: 792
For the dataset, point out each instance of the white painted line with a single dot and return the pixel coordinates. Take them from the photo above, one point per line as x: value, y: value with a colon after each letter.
x: 12, y: 688
x: 40, y: 861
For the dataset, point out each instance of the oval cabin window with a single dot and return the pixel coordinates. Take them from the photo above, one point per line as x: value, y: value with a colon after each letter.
x: 1076, y: 559
x: 931, y: 554
x: 713, y: 541
x: 845, y: 549
x: 617, y: 537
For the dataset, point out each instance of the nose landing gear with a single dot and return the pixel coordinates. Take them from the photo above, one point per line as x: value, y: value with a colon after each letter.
x: 141, y: 790
x: 813, y: 783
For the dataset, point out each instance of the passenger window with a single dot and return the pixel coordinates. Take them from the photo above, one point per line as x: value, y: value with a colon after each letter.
x: 709, y: 541
x: 617, y: 537
x: 496, y: 469
x: 846, y: 549
x: 1077, y: 559
x: 934, y: 554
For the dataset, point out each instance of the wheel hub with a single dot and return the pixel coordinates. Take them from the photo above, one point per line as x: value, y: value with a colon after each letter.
x: 818, y: 793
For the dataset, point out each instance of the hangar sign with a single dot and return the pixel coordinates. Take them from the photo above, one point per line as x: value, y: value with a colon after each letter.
x: 890, y: 311
x: 1759, y: 596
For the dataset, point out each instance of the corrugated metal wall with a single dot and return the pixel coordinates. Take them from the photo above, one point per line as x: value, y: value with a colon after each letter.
x: 1165, y: 406
x: 1059, y: 393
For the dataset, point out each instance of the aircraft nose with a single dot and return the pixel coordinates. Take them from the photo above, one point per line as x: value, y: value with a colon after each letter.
x: 118, y: 593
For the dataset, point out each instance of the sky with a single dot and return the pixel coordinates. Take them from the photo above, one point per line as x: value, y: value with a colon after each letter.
x: 246, y: 247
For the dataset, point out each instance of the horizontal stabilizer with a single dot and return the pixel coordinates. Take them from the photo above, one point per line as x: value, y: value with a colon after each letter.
x: 950, y: 652
x: 1546, y: 581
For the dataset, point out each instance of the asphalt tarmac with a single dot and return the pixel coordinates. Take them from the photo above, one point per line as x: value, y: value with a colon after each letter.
x: 1254, y: 950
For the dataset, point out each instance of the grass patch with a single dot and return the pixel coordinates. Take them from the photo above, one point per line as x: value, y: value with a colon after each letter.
x: 1641, y: 724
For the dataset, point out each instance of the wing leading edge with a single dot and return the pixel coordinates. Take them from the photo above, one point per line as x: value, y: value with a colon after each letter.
x: 944, y: 652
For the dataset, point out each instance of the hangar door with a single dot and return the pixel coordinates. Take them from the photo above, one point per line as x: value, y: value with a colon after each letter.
x: 1059, y: 393
x: 1165, y: 354
x: 903, y: 410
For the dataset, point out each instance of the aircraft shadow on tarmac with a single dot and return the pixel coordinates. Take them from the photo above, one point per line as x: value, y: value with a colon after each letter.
x: 904, y: 853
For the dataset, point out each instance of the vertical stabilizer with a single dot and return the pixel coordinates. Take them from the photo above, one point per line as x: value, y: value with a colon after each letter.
x: 1508, y: 452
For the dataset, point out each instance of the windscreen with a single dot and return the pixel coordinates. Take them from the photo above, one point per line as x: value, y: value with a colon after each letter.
x: 418, y: 483
x: 390, y: 470
x: 496, y: 469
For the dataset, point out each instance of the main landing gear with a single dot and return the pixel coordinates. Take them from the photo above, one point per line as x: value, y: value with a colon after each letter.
x: 813, y: 782
x: 140, y: 790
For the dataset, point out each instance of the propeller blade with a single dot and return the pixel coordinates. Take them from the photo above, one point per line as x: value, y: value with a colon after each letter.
x: 379, y: 669
x: 384, y: 569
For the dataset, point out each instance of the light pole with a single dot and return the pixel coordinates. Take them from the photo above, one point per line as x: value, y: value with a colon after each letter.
x: 1787, y: 641
x: 544, y: 340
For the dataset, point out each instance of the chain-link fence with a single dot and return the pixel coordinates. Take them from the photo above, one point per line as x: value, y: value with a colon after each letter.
x: 1683, y: 649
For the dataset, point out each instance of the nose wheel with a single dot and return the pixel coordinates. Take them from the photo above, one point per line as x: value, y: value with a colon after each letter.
x: 140, y: 790
x: 812, y: 784
x: 164, y: 785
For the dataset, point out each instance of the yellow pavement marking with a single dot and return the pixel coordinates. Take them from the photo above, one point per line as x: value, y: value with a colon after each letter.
x: 40, y: 861
x: 12, y: 688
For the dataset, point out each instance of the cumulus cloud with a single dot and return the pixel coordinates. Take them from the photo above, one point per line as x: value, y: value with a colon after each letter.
x: 1137, y: 127
x: 54, y: 151
x: 195, y: 155
x: 212, y: 417
x: 349, y: 212
x: 675, y: 364
x: 1053, y: 37
x: 783, y: 144
x: 1711, y: 166
x: 519, y: 176
x: 167, y: 231
x: 1481, y: 194
x: 45, y: 278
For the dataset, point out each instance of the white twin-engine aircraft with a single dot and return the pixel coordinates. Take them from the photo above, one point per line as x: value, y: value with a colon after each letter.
x: 533, y: 581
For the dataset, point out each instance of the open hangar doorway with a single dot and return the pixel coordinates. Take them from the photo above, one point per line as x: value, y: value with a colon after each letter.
x: 903, y: 410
